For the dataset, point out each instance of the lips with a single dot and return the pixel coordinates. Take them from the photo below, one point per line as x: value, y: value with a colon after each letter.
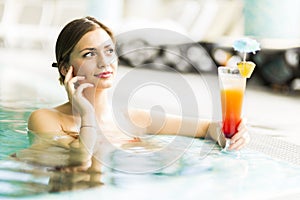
x: 104, y: 75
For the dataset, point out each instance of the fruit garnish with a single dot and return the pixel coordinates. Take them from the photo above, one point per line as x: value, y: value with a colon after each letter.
x: 246, y: 45
x: 246, y: 68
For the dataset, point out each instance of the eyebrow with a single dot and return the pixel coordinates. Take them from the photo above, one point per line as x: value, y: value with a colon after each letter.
x: 90, y: 49
x: 94, y: 49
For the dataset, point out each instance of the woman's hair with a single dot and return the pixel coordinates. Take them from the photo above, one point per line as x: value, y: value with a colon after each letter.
x: 69, y: 37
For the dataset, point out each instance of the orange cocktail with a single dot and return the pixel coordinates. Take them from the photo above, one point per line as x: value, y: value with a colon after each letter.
x: 232, y: 101
x: 232, y: 86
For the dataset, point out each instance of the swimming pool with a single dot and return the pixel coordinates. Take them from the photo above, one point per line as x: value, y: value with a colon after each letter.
x: 200, y: 173
x: 268, y: 168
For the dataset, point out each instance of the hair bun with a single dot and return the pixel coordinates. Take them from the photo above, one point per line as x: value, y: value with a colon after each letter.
x: 54, y: 64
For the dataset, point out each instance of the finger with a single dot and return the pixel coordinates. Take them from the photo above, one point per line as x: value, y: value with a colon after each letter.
x: 241, y: 146
x: 246, y: 136
x: 83, y: 86
x: 76, y: 79
x: 242, y: 123
x: 69, y: 75
x: 70, y: 85
x: 240, y: 142
x: 238, y: 135
x: 237, y: 144
x: 246, y: 139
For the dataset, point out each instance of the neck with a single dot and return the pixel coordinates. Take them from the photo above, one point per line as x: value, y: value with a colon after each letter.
x: 99, y: 100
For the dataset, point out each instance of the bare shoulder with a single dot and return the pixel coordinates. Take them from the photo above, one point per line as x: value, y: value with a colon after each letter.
x: 44, y: 120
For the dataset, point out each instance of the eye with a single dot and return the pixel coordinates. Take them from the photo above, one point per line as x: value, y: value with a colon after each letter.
x: 109, y: 51
x: 89, y: 54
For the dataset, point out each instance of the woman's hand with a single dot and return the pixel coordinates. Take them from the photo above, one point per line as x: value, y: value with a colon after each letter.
x: 75, y: 93
x: 238, y: 141
x: 241, y: 138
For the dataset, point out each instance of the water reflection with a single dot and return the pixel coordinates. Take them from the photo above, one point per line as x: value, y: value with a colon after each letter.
x: 46, y: 166
x: 61, y: 181
x: 146, y: 155
x: 19, y: 179
x: 209, y: 177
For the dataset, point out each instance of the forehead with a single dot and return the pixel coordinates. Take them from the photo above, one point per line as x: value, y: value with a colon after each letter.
x: 97, y: 37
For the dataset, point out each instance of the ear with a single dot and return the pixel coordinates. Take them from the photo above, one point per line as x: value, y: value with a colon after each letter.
x: 64, y: 69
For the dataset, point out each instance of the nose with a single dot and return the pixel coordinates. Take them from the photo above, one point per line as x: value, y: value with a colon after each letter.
x: 101, y: 65
x: 102, y: 62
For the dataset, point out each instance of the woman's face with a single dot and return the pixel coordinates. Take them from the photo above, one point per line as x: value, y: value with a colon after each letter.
x: 94, y: 58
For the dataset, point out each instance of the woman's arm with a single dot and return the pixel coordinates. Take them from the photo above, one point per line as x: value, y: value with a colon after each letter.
x: 159, y: 123
x: 54, y: 147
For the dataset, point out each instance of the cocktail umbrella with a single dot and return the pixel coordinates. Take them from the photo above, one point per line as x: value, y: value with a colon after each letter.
x: 246, y: 45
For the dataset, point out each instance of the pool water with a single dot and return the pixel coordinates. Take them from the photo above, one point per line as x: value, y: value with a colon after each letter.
x: 13, y: 134
x: 200, y: 172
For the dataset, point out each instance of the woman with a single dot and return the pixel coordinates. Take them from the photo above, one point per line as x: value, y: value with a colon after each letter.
x: 87, y: 64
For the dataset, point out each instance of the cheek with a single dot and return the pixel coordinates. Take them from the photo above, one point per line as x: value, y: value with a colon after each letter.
x: 75, y: 71
x: 80, y: 66
x: 115, y: 65
x: 79, y: 71
x: 82, y: 69
x: 76, y: 67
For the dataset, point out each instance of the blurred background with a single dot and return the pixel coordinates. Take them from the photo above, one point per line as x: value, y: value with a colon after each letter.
x: 29, y: 28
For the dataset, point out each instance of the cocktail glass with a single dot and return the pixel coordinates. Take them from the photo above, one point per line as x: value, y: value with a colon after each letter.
x: 232, y: 87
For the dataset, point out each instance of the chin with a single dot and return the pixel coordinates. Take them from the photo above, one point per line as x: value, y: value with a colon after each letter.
x: 105, y: 84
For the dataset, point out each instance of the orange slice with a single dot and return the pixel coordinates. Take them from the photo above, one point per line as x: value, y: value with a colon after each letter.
x: 246, y: 68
